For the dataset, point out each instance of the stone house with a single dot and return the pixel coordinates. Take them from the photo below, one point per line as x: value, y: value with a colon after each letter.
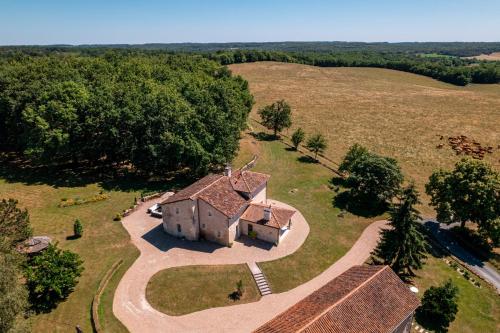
x: 222, y: 207
x: 363, y: 299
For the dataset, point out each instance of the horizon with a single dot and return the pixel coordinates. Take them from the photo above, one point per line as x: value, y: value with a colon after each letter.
x: 57, y: 22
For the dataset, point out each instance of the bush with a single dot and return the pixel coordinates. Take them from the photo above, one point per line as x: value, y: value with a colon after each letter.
x: 78, y: 201
x: 252, y: 234
x: 51, y: 276
x: 77, y: 228
x: 118, y: 217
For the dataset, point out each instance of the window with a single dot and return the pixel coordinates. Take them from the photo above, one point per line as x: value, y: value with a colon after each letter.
x: 176, y: 210
x: 203, y: 226
x: 218, y: 234
x: 209, y: 213
x: 179, y: 229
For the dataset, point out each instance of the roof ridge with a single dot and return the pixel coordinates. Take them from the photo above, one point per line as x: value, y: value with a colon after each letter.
x: 244, y: 180
x: 203, y: 189
x: 343, y: 298
x: 272, y: 213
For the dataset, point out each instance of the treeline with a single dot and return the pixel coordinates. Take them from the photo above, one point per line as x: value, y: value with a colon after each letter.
x: 459, y: 49
x: 155, y: 112
x: 451, y: 70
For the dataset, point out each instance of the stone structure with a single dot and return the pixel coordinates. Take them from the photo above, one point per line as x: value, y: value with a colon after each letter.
x: 220, y: 208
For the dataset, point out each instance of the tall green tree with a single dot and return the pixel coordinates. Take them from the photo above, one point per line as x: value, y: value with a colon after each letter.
x: 403, y: 246
x: 373, y: 179
x: 317, y: 144
x: 298, y: 137
x: 469, y: 192
x: 51, y: 276
x: 14, y: 222
x: 276, y: 116
x: 439, y: 307
x: 14, y: 228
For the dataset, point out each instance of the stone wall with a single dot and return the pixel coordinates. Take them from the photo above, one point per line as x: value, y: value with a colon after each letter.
x: 213, y: 224
x: 183, y: 213
x: 260, y: 195
x: 264, y: 233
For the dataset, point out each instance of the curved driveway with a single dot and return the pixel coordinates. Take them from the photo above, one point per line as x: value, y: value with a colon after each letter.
x: 159, y: 251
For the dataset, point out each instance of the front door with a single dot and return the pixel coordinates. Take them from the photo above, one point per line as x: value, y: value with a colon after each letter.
x: 237, y: 231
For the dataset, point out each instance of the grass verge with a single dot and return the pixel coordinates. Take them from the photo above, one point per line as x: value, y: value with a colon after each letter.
x: 181, y: 290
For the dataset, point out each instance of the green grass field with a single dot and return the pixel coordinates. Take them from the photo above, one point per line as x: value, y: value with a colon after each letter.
x: 181, y: 290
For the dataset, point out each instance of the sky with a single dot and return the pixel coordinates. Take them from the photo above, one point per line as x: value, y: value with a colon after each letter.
x: 154, y: 21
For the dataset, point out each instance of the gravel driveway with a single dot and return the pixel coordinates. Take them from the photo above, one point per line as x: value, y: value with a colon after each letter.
x: 160, y: 251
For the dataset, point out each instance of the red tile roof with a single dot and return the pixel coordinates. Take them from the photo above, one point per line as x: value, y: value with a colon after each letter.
x: 248, y: 181
x: 192, y: 190
x: 221, y: 192
x: 364, y: 299
x: 223, y: 197
x: 279, y: 216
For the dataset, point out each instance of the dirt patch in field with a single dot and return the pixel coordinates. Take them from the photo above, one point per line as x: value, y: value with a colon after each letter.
x: 495, y: 56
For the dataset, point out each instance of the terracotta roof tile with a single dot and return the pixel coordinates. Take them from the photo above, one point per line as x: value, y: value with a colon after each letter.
x: 364, y: 299
x: 279, y: 216
x: 248, y: 181
x: 223, y: 197
x: 192, y: 190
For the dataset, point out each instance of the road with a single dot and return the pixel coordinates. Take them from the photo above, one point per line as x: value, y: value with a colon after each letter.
x: 443, y: 235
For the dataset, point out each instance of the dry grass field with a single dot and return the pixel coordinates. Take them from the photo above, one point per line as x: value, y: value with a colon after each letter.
x: 393, y: 113
x: 495, y: 56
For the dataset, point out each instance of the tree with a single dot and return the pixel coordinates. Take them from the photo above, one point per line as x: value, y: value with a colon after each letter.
x: 316, y: 144
x: 239, y: 287
x: 276, y: 116
x: 470, y: 192
x: 14, y: 222
x: 51, y: 276
x: 373, y: 179
x: 298, y: 137
x: 403, y: 246
x: 439, y: 307
x: 77, y: 228
x: 13, y: 294
x: 355, y: 153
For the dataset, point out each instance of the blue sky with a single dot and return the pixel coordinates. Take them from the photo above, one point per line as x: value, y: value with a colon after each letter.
x: 127, y: 21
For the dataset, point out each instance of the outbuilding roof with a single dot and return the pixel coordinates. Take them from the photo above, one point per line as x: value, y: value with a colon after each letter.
x: 279, y: 216
x: 364, y: 299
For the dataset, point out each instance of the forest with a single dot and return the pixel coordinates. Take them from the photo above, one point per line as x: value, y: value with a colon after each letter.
x: 157, y: 113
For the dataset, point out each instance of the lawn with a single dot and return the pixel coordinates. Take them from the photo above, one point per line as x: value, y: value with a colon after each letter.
x: 478, y: 308
x: 330, y: 236
x: 393, y: 113
x: 181, y: 290
x: 104, y: 241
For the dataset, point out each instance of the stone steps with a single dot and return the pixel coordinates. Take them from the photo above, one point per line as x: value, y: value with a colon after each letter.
x: 260, y: 279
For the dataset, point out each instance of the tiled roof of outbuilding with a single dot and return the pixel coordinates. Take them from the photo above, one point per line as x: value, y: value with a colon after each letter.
x: 279, y: 216
x: 364, y: 299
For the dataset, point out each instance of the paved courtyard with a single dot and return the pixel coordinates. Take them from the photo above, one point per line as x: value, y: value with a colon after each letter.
x: 160, y: 251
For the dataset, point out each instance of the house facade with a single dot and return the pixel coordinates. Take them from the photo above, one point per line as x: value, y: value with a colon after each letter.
x: 363, y: 299
x: 221, y: 208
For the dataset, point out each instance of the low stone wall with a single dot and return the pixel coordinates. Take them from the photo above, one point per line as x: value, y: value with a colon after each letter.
x: 138, y: 203
x: 97, y: 298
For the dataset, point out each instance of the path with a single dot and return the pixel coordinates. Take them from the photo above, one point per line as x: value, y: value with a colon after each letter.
x: 443, y: 236
x: 159, y: 251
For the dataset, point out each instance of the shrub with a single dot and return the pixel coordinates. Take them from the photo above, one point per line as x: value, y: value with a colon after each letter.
x: 118, y: 217
x: 252, y: 234
x: 51, y: 276
x: 77, y: 228
x: 79, y: 201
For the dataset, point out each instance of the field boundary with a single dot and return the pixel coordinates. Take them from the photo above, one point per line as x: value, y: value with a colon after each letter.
x: 96, y: 325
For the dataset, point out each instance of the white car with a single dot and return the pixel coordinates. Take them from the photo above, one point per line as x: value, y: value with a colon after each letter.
x: 155, y: 210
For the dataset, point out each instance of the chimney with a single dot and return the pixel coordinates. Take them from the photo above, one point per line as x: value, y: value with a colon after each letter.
x: 267, y: 213
x: 227, y: 171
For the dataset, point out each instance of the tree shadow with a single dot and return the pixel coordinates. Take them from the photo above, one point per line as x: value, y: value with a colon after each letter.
x: 290, y: 149
x: 15, y: 169
x: 73, y: 237
x: 234, y: 296
x: 307, y: 159
x: 359, y: 206
x: 262, y: 136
